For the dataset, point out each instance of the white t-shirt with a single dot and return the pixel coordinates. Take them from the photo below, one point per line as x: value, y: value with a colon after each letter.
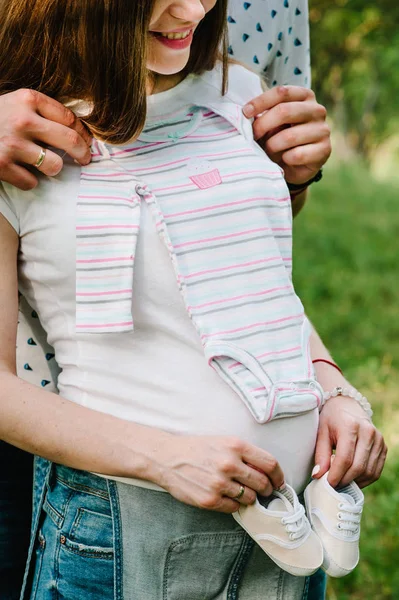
x: 156, y: 376
x: 272, y: 37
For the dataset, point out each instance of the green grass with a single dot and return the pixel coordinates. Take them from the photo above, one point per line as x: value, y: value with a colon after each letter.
x: 346, y: 273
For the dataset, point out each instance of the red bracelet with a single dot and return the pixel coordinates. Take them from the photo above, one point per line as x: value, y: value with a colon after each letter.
x: 328, y: 362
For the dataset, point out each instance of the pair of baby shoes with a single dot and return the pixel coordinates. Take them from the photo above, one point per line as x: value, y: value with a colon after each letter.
x: 329, y: 538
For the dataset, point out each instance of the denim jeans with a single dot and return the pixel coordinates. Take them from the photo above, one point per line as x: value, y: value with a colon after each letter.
x: 15, y: 516
x: 98, y: 539
x: 16, y: 476
x: 172, y: 551
x: 74, y: 550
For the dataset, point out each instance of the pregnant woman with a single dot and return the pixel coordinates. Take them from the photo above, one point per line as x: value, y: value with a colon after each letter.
x: 107, y: 452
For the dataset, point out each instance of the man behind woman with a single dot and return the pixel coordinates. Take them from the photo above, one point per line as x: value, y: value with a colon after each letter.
x: 96, y: 457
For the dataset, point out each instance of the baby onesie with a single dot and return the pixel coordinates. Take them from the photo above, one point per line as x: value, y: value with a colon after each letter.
x: 223, y: 211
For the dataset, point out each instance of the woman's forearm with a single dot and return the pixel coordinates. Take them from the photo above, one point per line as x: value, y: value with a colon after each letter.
x: 46, y: 424
x: 327, y: 375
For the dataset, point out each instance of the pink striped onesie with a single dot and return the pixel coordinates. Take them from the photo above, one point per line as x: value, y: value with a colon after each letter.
x: 223, y: 211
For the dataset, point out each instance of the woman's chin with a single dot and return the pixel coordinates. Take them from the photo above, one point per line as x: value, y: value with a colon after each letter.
x: 168, y: 67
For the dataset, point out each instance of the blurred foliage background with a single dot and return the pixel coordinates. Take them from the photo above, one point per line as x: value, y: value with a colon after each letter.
x: 355, y: 59
x: 347, y: 248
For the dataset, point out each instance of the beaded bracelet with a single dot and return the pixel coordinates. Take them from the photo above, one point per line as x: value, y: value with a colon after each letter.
x: 351, y: 393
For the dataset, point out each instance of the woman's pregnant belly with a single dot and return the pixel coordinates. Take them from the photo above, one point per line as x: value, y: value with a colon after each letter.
x: 183, y: 395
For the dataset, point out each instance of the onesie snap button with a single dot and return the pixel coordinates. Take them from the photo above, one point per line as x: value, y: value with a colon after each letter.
x: 140, y: 190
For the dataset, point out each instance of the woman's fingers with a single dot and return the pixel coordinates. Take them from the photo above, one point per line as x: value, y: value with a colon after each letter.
x: 227, y: 506
x: 324, y: 448
x: 240, y: 493
x: 265, y: 463
x: 217, y: 473
x: 380, y: 463
x: 364, y: 446
x: 344, y: 455
x: 375, y: 462
x: 275, y: 96
x: 254, y: 479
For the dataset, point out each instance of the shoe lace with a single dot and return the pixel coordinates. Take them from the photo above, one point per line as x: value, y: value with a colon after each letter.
x: 296, y: 524
x: 349, y: 517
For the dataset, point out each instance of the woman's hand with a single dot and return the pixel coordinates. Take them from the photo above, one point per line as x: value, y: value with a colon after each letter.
x: 291, y: 127
x: 360, y: 450
x: 30, y: 120
x: 208, y: 471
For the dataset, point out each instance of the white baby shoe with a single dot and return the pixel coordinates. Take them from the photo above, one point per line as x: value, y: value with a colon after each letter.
x: 335, y: 517
x: 282, y: 530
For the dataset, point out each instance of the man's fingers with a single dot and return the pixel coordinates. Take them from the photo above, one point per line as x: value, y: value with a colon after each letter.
x: 48, y: 122
x: 344, y: 455
x: 81, y: 129
x: 299, y: 135
x: 19, y: 177
x: 289, y: 113
x: 311, y: 154
x: 50, y: 109
x: 26, y: 152
x: 63, y: 138
x: 54, y: 111
x: 275, y: 96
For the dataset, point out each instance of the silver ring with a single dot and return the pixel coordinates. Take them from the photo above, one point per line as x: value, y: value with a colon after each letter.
x: 240, y: 493
x: 40, y: 159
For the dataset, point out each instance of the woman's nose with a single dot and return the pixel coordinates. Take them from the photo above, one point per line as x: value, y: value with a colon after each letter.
x: 191, y: 11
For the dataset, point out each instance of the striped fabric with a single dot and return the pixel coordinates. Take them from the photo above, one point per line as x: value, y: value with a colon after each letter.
x: 223, y: 211
x: 108, y: 220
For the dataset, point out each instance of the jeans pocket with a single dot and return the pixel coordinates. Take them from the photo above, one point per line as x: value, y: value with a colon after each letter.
x: 91, y: 535
x: 199, y: 566
x: 85, y: 562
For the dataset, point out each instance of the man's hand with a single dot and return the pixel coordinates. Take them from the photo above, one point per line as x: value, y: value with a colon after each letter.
x: 30, y: 120
x: 291, y: 127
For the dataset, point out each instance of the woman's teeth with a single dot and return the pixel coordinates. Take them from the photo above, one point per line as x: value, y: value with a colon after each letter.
x: 176, y: 36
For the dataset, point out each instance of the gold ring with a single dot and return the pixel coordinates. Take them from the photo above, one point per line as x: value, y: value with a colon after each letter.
x: 240, y: 493
x: 40, y: 159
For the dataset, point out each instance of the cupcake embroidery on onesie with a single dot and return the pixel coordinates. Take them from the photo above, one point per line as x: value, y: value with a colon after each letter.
x: 223, y: 210
x: 203, y: 174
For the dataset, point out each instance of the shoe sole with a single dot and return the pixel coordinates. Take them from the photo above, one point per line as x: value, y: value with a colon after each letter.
x: 297, y: 572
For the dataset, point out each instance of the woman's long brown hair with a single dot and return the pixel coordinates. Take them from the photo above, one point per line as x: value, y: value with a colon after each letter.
x: 94, y: 50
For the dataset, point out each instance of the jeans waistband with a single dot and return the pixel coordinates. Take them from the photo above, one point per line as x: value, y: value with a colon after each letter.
x: 81, y: 480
